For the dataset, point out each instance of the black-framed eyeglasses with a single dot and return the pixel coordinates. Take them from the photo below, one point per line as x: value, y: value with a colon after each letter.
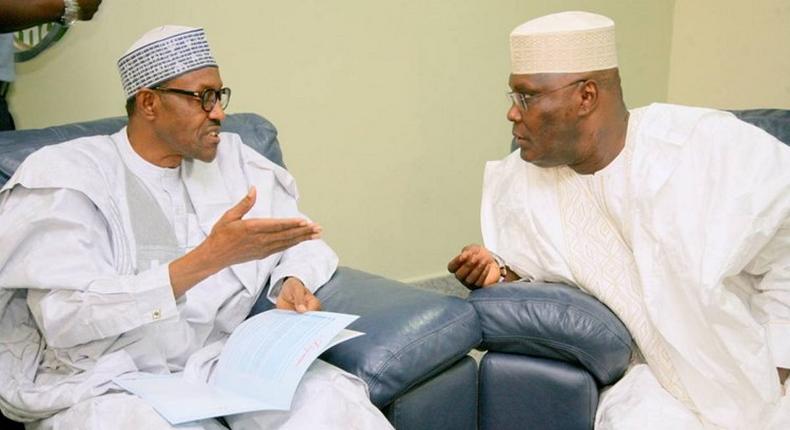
x: 522, y: 100
x: 208, y: 97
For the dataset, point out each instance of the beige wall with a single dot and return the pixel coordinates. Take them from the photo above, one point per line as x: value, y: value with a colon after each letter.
x: 731, y: 54
x: 387, y: 110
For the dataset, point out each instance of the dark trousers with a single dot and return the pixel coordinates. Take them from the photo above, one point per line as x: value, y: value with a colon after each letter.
x: 6, y: 120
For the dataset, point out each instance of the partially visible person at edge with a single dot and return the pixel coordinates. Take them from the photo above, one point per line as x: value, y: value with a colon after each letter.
x: 675, y: 217
x: 20, y: 14
x: 142, y: 251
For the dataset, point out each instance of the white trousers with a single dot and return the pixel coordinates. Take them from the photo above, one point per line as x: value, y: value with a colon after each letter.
x: 638, y: 401
x: 327, y: 398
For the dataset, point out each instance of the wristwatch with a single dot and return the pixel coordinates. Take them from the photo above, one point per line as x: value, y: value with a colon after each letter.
x: 502, y: 266
x: 71, y: 12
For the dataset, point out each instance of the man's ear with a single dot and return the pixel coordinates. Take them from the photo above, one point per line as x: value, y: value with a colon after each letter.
x: 589, y: 97
x: 147, y: 103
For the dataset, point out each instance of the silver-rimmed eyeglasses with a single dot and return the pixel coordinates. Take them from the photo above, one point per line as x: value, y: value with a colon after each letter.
x: 523, y: 100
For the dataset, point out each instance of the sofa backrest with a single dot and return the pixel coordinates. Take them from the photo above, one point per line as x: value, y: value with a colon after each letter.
x: 15, y: 146
x: 775, y: 121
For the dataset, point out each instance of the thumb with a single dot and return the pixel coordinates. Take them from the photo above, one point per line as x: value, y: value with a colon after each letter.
x: 295, y: 293
x: 236, y: 212
x: 299, y: 300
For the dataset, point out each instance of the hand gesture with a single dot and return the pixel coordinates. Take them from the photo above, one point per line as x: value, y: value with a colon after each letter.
x: 235, y: 240
x: 474, y: 267
x: 294, y: 296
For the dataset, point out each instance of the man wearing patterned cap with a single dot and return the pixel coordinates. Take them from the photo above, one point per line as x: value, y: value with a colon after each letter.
x: 677, y: 218
x: 142, y: 250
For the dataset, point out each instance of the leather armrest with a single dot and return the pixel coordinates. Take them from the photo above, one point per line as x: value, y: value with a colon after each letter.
x: 553, y: 321
x: 410, y: 334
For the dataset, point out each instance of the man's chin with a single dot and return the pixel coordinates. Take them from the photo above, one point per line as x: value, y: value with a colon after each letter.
x: 529, y: 157
x: 209, y: 159
x: 535, y: 160
x: 207, y: 156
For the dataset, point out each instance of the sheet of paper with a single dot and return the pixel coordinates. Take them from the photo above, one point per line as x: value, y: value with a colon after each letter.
x: 267, y: 355
x: 180, y: 401
x: 343, y: 336
x: 259, y: 368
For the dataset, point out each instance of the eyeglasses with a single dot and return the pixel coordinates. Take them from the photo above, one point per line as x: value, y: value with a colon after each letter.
x: 208, y: 97
x: 522, y: 100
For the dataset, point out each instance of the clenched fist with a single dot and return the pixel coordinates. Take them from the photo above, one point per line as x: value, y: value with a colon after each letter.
x: 474, y: 267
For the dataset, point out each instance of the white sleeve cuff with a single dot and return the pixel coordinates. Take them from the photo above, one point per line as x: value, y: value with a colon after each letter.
x: 155, y: 299
x: 312, y: 262
x: 276, y: 286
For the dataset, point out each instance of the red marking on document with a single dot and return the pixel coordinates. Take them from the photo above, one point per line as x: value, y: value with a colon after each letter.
x: 307, y: 349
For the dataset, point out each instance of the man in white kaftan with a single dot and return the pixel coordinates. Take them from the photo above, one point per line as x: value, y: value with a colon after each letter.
x: 677, y: 218
x: 128, y: 253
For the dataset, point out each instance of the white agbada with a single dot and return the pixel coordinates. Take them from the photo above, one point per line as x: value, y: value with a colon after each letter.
x: 686, y: 237
x: 82, y: 249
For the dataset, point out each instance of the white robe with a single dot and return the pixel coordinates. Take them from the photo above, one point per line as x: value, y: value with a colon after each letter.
x: 68, y: 254
x: 687, y: 241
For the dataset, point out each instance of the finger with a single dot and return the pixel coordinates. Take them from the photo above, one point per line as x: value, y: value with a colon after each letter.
x: 474, y: 274
x: 241, y: 208
x: 467, y: 253
x: 283, y: 304
x: 289, y: 237
x: 470, y: 248
x: 269, y: 246
x: 461, y: 259
x: 454, y: 264
x: 299, y: 233
x: 484, y: 274
x: 462, y: 271
x: 477, y: 264
x: 493, y: 275
x: 275, y: 225
x: 298, y: 298
x: 313, y: 304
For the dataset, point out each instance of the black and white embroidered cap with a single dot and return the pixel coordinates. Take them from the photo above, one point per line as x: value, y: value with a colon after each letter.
x: 163, y: 54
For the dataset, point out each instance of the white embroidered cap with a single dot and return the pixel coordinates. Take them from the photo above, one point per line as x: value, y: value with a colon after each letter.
x: 162, y: 54
x: 566, y: 42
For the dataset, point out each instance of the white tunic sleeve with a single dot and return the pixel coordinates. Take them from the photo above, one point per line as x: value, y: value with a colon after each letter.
x: 711, y: 201
x: 312, y: 262
x: 59, y: 249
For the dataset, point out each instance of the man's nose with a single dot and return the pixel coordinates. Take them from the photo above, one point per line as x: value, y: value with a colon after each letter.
x: 217, y: 112
x: 514, y: 113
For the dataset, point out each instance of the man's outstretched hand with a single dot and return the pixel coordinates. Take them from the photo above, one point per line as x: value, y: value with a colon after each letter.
x: 294, y: 296
x: 474, y: 267
x: 234, y: 240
